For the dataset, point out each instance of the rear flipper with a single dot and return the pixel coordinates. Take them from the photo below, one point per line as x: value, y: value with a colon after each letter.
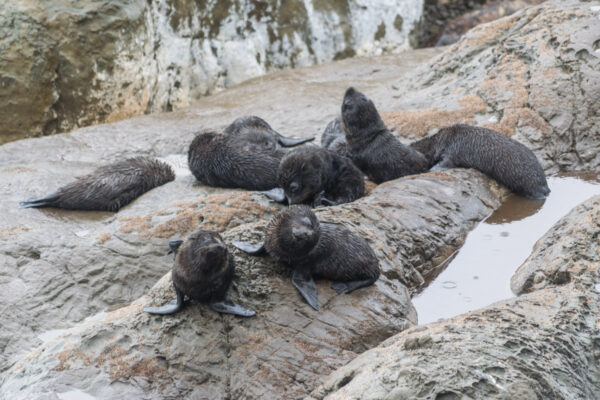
x: 170, y: 308
x: 227, y: 307
x: 442, y: 165
x: 48, y: 201
x: 303, y: 281
x: 291, y: 142
x: 276, y: 194
x: 252, y: 249
x: 347, y: 287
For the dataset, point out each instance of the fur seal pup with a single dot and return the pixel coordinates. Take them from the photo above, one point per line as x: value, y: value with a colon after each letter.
x: 248, y: 124
x: 246, y: 156
x: 334, y: 137
x: 203, y: 271
x: 317, y: 177
x: 509, y: 162
x: 373, y: 148
x: 110, y: 187
x: 323, y: 250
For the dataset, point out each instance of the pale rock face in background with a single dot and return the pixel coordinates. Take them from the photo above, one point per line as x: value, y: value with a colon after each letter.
x: 91, y: 62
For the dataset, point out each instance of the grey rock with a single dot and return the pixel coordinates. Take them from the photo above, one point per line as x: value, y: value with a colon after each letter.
x: 542, y: 344
x: 102, y: 61
x: 516, y: 75
x: 576, y: 258
x: 287, y: 348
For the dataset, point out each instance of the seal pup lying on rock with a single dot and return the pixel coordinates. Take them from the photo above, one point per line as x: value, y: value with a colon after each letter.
x: 372, y: 147
x: 323, y: 250
x: 334, y: 137
x: 110, y: 187
x: 509, y: 162
x: 246, y: 156
x: 203, y: 271
x: 317, y: 177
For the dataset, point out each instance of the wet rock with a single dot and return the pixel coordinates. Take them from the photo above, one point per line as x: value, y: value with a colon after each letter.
x: 569, y: 251
x: 444, y: 21
x: 542, y: 344
x: 58, y: 267
x: 102, y: 61
x: 413, y: 224
x: 490, y: 11
x: 534, y: 75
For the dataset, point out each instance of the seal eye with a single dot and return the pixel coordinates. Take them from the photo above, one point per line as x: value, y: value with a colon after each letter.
x: 294, y: 187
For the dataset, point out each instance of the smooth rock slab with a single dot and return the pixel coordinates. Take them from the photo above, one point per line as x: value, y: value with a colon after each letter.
x: 58, y: 267
x: 576, y: 258
x: 288, y: 348
x: 541, y: 345
x: 534, y: 75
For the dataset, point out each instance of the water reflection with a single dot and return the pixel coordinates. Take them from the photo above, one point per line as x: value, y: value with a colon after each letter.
x: 480, y: 272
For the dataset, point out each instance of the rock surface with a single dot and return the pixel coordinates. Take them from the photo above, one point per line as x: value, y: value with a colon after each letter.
x: 413, y: 224
x: 58, y: 267
x: 98, y: 61
x: 534, y: 75
x: 541, y: 345
x: 449, y: 19
x: 577, y: 257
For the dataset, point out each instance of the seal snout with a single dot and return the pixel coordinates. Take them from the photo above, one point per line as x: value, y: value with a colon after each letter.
x: 302, y: 232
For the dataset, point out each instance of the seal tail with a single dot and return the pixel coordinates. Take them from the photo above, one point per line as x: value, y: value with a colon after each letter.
x: 291, y: 142
x: 48, y: 201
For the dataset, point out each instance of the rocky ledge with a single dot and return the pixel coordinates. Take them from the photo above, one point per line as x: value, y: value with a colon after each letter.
x: 287, y: 348
x: 532, y: 75
x: 540, y: 345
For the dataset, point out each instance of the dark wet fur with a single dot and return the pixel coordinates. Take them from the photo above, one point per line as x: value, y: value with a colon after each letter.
x: 246, y: 161
x: 509, y: 162
x: 334, y: 137
x: 328, y: 251
x: 203, y: 268
x: 110, y: 187
x: 316, y: 176
x: 203, y: 271
x: 252, y: 125
x: 372, y: 147
x: 246, y: 156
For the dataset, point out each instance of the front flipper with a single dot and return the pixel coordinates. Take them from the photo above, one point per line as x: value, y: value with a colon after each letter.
x: 291, y: 142
x: 321, y: 200
x: 276, y: 194
x: 303, y: 281
x: 347, y: 287
x: 48, y: 201
x: 170, y: 308
x: 227, y: 307
x: 252, y: 249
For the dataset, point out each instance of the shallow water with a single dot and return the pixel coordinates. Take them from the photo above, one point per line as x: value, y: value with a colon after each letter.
x: 480, y: 272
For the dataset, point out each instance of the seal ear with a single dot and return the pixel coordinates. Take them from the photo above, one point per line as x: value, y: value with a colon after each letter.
x: 174, y: 245
x: 291, y: 142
